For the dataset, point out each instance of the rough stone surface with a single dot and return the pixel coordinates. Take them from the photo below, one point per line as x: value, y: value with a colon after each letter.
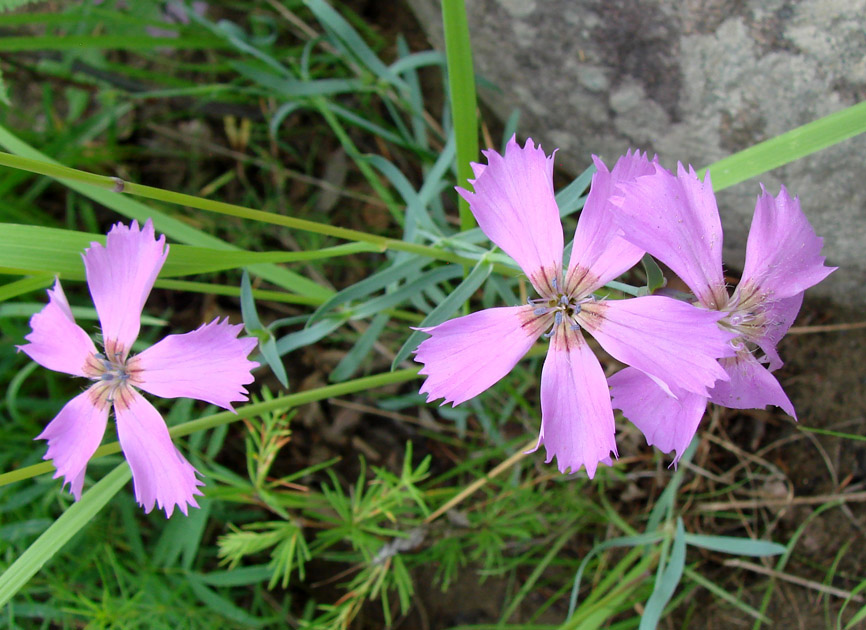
x: 694, y: 81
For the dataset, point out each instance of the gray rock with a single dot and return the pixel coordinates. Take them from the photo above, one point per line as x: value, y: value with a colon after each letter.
x: 694, y: 81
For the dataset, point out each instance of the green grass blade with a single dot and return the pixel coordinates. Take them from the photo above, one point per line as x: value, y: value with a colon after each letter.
x: 348, y: 39
x: 788, y: 147
x: 77, y: 516
x: 736, y: 546
x: 164, y: 223
x: 25, y: 285
x: 668, y: 582
x: 36, y: 248
x: 461, y: 88
x: 107, y: 42
x: 351, y: 363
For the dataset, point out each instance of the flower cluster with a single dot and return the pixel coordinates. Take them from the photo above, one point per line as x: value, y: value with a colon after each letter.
x: 678, y: 354
x: 208, y: 363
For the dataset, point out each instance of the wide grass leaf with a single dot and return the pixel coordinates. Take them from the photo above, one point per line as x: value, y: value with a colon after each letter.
x: 52, y: 540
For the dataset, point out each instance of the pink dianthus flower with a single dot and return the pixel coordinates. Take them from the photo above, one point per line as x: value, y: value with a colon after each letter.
x: 673, y: 343
x: 676, y: 220
x: 208, y: 363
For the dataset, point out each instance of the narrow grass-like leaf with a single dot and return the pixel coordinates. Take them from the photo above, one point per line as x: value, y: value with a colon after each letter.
x: 668, y: 582
x: 446, y: 308
x: 721, y: 593
x: 4, y: 95
x: 271, y: 355
x: 24, y: 285
x: 254, y: 326
x: 461, y: 92
x: 417, y: 60
x: 788, y: 147
x: 293, y: 88
x: 222, y: 605
x: 416, y: 211
x: 379, y: 280
x: 571, y: 198
x: 236, y: 577
x: 422, y: 283
x: 529, y: 583
x: 655, y: 279
x: 165, y: 224
x: 351, y: 363
x: 35, y: 248
x: 415, y: 96
x: 346, y: 38
x: 76, y: 516
x: 309, y: 335
x: 736, y: 546
x: 623, y: 541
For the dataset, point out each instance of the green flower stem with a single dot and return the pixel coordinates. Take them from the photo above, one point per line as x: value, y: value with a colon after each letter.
x: 225, y: 417
x: 219, y: 207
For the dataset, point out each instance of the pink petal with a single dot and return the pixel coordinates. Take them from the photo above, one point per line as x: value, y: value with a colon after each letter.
x: 208, y: 364
x: 465, y: 356
x: 120, y: 276
x: 160, y: 474
x: 674, y: 343
x: 599, y: 254
x: 577, y: 424
x: 514, y: 205
x: 57, y: 342
x: 676, y: 220
x: 751, y: 386
x: 73, y: 436
x: 779, y: 315
x: 783, y: 253
x: 667, y: 423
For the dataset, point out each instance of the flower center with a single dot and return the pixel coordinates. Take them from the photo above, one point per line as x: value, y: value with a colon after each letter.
x: 111, y: 375
x: 564, y: 306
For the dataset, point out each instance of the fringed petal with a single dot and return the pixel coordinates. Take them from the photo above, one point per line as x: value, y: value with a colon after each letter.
x: 674, y: 343
x: 57, y: 342
x: 160, y: 474
x: 120, y: 276
x: 751, y: 386
x: 577, y: 424
x: 515, y: 206
x: 600, y: 254
x: 783, y: 253
x: 676, y: 220
x: 209, y: 364
x: 668, y: 423
x: 73, y: 436
x: 465, y: 356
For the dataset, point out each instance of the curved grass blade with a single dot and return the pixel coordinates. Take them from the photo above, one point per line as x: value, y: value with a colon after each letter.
x: 788, y: 147
x: 667, y: 582
x: 76, y: 517
x: 351, y: 363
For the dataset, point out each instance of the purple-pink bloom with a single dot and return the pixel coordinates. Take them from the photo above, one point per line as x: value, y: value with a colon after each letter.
x: 673, y: 343
x: 675, y: 219
x: 208, y: 363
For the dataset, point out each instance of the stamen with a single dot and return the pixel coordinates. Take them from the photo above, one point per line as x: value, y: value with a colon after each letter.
x: 557, y: 319
x: 555, y: 283
x: 542, y: 310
